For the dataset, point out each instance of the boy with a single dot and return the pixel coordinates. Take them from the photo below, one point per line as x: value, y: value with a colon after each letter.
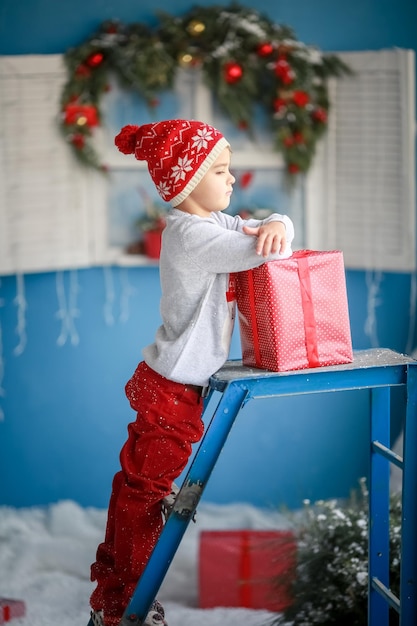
x: 189, y: 163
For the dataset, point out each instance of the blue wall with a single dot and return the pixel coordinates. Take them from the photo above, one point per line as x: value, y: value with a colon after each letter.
x: 64, y: 409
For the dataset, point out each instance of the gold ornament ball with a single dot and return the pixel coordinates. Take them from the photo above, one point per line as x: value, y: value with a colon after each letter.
x: 196, y: 28
x: 185, y: 59
x: 188, y: 59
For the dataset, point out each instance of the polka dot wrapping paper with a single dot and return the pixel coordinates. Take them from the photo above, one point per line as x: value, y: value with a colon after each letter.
x: 293, y: 313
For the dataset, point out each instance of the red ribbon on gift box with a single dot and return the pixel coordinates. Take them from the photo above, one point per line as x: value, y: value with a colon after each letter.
x: 310, y: 328
x: 245, y: 571
x: 256, y: 347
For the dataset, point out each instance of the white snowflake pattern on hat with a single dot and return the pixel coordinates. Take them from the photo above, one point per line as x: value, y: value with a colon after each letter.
x: 201, y: 139
x: 179, y: 170
x: 163, y: 189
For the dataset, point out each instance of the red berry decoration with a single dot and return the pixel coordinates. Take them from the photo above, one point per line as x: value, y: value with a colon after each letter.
x: 283, y: 71
x: 293, y: 168
x: 279, y: 105
x: 246, y: 179
x: 319, y: 115
x: 298, y: 137
x: 82, y: 71
x: 112, y: 29
x: 78, y: 141
x: 233, y: 72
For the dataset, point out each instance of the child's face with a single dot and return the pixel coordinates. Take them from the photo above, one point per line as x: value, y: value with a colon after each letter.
x: 214, y: 190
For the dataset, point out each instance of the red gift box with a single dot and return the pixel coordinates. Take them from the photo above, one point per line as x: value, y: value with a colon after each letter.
x: 242, y: 568
x: 10, y: 609
x: 293, y: 313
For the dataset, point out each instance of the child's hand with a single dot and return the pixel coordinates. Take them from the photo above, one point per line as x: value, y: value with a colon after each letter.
x: 272, y: 238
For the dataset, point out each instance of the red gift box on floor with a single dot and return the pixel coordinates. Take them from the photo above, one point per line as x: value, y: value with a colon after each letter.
x: 242, y: 568
x: 11, y: 609
x: 293, y: 313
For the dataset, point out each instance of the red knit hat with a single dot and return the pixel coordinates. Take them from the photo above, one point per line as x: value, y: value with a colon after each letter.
x: 178, y: 152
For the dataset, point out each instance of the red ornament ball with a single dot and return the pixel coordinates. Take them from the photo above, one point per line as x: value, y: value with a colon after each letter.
x: 301, y: 98
x: 293, y: 168
x: 233, y: 72
x: 265, y: 49
x: 95, y: 59
x: 319, y: 115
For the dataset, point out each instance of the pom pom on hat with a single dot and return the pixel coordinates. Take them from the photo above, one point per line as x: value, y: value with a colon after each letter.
x: 126, y: 139
x: 178, y: 153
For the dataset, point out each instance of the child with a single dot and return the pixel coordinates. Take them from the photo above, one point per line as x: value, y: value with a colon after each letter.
x: 189, y: 163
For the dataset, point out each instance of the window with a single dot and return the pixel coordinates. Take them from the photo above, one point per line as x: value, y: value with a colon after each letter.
x: 359, y: 196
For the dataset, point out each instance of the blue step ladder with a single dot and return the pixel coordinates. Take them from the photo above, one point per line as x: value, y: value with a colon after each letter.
x: 377, y: 370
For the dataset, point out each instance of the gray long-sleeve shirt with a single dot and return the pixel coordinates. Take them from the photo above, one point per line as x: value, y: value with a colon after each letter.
x: 197, y: 256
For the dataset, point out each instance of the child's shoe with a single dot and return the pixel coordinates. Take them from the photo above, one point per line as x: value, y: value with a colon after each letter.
x: 169, y: 501
x: 155, y: 616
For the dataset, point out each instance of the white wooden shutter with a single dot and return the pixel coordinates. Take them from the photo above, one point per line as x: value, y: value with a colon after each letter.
x: 44, y: 222
x: 361, y: 191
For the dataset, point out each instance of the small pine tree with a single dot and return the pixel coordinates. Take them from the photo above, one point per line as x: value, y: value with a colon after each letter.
x: 330, y: 587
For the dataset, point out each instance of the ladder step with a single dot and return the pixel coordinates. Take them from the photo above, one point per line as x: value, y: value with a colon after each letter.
x: 396, y: 459
x: 386, y: 593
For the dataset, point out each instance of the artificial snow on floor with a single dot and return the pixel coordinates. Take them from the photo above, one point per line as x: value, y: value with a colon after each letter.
x: 45, y: 557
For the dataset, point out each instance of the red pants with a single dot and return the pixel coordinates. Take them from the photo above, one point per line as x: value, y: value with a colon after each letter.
x: 157, y: 450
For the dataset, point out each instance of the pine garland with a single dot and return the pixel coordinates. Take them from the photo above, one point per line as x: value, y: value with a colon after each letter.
x: 245, y: 59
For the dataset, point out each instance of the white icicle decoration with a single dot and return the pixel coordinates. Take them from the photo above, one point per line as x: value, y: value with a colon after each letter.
x: 2, y: 390
x: 412, y: 315
x: 127, y: 291
x: 373, y: 282
x: 20, y: 302
x: 109, y: 301
x: 67, y: 311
